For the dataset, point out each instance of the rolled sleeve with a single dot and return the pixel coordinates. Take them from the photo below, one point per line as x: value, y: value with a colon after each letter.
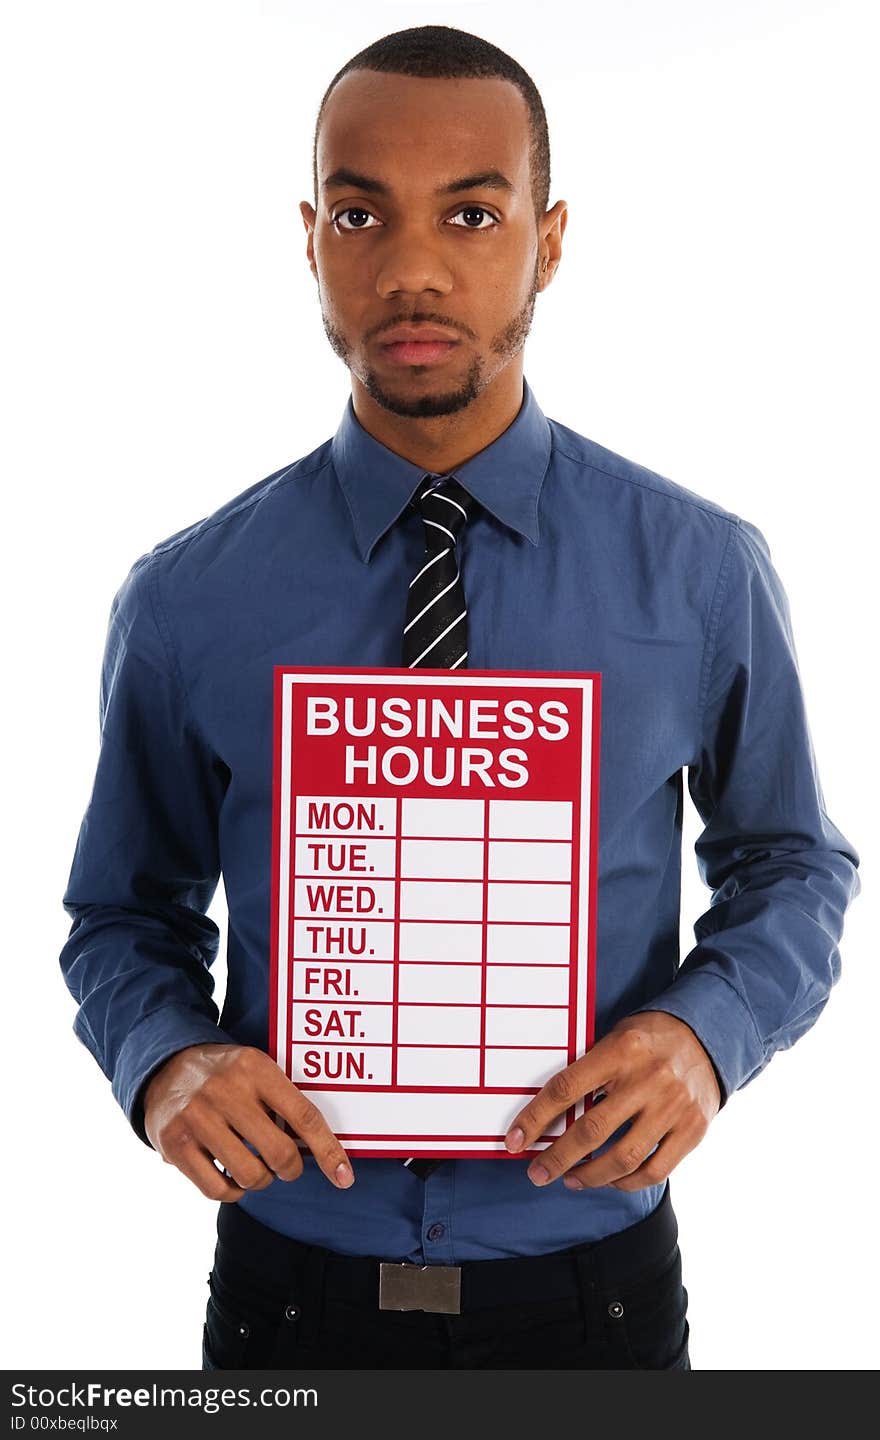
x: 781, y: 873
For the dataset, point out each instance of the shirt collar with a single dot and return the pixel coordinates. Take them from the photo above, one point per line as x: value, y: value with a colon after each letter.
x: 506, y: 476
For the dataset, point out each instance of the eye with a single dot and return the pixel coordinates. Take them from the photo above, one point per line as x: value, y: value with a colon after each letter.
x: 479, y: 211
x: 354, y: 210
x: 357, y: 218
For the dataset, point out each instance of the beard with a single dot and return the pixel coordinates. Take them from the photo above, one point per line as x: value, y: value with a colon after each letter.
x: 506, y: 343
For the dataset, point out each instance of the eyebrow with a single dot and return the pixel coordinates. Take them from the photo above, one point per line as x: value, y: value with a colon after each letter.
x: 482, y: 180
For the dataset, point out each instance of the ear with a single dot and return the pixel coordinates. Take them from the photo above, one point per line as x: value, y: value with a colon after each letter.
x: 309, y: 219
x: 552, y: 230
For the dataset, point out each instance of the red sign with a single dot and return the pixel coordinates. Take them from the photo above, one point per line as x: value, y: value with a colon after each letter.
x: 433, y: 898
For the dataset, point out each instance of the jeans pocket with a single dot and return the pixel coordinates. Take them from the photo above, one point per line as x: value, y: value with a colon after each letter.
x: 250, y: 1333
x: 647, y: 1320
x: 225, y: 1336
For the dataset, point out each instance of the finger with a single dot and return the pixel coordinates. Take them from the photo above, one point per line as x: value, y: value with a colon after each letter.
x: 306, y: 1120
x: 585, y: 1134
x: 622, y: 1158
x: 656, y: 1169
x: 245, y: 1168
x: 276, y: 1148
x: 197, y: 1165
x: 561, y: 1091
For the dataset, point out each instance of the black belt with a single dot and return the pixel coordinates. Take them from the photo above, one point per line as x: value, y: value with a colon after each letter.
x: 262, y: 1263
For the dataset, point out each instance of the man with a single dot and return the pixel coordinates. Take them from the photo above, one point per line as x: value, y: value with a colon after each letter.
x: 429, y: 240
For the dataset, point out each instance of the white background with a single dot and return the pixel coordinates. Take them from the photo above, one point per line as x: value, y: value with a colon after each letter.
x: 714, y: 318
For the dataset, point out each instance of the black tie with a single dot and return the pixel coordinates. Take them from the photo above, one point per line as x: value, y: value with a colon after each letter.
x: 435, y: 631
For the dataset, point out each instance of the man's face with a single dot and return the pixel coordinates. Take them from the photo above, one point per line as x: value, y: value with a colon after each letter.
x: 416, y: 253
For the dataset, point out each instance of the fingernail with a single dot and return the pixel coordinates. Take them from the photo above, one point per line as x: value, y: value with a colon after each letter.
x: 538, y: 1175
x: 514, y: 1139
x: 571, y: 1182
x: 343, y: 1173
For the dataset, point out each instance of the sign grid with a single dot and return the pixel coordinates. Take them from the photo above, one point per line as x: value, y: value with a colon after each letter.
x: 433, y: 924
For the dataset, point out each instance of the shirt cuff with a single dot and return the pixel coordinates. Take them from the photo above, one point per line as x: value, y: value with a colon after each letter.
x: 721, y: 1021
x: 154, y: 1039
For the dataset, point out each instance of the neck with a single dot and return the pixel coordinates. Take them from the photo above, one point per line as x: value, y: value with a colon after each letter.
x: 440, y: 443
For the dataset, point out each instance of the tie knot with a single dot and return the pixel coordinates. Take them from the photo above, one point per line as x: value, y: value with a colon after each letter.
x: 444, y: 507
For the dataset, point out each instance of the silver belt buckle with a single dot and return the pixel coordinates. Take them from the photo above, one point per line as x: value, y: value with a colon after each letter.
x: 435, y: 1288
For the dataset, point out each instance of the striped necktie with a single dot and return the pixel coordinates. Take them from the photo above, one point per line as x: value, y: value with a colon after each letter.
x: 435, y: 632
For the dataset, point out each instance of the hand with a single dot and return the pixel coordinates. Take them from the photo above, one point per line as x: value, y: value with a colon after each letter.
x: 651, y: 1066
x: 208, y: 1099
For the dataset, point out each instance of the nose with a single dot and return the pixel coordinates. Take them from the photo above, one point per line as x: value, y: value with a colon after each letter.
x: 412, y: 265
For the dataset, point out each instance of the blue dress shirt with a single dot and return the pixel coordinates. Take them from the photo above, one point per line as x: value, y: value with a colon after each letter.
x: 577, y: 559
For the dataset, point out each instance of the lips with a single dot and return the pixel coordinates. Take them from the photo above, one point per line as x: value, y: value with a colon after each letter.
x: 418, y: 344
x: 418, y: 333
x: 419, y: 352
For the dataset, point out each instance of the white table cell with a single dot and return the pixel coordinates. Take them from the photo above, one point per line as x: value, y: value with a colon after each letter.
x: 356, y: 859
x: 520, y: 985
x: 322, y: 980
x: 536, y: 860
x: 429, y: 1113
x: 523, y: 1067
x: 438, y: 1066
x: 346, y: 1023
x: 442, y: 817
x: 343, y: 899
x: 522, y: 1025
x: 528, y: 944
x: 530, y: 819
x: 508, y: 901
x: 341, y: 1064
x: 442, y: 859
x: 342, y: 815
x: 441, y: 900
x: 338, y: 940
x: 438, y: 1025
x: 450, y: 983
x: 419, y: 941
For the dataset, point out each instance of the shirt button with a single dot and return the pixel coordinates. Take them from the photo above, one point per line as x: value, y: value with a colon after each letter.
x: 436, y: 1232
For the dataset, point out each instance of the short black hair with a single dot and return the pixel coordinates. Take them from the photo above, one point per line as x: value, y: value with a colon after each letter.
x: 442, y: 52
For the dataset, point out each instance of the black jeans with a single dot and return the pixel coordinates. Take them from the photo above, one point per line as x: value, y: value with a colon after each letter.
x: 616, y: 1304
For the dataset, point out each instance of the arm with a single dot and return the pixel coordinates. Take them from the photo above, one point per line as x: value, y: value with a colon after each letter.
x: 146, y: 865
x: 782, y: 876
x: 140, y: 948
